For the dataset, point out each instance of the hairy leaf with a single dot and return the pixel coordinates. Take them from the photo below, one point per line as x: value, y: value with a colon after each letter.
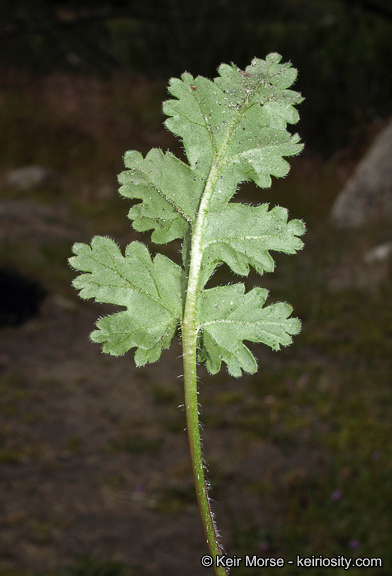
x: 238, y: 122
x: 150, y: 290
x: 242, y: 235
x: 234, y: 129
x: 227, y: 316
x: 170, y: 192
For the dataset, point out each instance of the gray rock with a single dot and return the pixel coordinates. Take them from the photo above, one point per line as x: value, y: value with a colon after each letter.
x: 30, y: 177
x: 378, y: 253
x: 27, y: 220
x: 367, y: 196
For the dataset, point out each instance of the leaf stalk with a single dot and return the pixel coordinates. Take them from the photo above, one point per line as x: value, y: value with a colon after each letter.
x: 193, y: 428
x: 189, y: 344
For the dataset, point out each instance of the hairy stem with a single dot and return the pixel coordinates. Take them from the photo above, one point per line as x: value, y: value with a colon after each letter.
x: 193, y: 427
x: 189, y: 345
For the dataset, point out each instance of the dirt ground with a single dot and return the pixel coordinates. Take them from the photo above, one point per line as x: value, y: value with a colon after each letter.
x: 94, y: 451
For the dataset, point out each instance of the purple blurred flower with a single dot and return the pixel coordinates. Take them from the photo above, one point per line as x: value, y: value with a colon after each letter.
x: 336, y: 495
x: 354, y: 544
x: 264, y: 546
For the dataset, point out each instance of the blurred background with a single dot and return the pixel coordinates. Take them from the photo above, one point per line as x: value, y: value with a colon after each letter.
x: 94, y: 463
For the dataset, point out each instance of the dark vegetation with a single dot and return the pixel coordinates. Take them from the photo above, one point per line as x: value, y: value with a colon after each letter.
x: 299, y: 455
x: 341, y: 47
x: 20, y: 298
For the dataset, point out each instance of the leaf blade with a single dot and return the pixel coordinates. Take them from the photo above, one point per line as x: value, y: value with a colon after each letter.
x: 150, y: 290
x: 242, y: 236
x: 241, y: 119
x: 227, y: 316
x: 169, y: 192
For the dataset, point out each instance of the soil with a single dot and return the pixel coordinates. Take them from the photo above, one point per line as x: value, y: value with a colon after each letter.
x: 94, y: 454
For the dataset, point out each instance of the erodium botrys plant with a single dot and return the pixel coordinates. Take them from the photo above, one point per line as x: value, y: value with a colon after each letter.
x: 233, y: 130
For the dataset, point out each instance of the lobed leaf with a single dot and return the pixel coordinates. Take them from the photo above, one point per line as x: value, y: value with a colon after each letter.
x: 242, y: 235
x: 227, y: 316
x: 169, y: 190
x: 236, y: 122
x: 150, y: 290
x: 234, y: 129
x: 240, y: 118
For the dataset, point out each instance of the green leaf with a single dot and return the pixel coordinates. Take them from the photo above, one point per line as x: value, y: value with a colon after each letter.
x: 150, y: 290
x: 234, y: 129
x: 169, y: 190
x: 227, y: 316
x: 236, y: 123
x: 239, y: 119
x: 242, y: 235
